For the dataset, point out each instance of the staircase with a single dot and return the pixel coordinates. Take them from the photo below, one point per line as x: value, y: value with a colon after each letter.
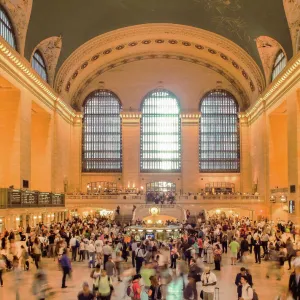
x: 127, y: 218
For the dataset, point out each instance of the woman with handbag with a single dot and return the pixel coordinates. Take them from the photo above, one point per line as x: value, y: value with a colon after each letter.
x: 217, y: 257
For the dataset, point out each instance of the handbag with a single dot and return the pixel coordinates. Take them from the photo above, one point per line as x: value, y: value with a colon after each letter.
x: 201, y: 294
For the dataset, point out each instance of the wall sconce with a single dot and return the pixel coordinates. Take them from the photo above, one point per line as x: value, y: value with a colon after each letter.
x: 34, y: 217
x: 283, y: 198
x: 40, y: 217
x: 17, y: 219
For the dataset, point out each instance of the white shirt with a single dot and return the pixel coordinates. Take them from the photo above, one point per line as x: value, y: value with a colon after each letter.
x: 72, y: 242
x: 91, y: 248
x: 247, y: 292
x: 107, y: 250
x: 208, y: 279
x: 99, y: 246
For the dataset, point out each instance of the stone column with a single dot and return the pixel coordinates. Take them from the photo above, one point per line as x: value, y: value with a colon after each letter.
x: 245, y: 164
x: 15, y: 136
x: 293, y: 120
x: 131, y: 148
x: 190, y: 152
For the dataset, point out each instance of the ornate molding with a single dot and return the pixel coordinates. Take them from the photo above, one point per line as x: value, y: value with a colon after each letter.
x: 50, y: 49
x: 190, y: 119
x: 19, y: 68
x: 19, y: 12
x: 268, y: 49
x: 79, y: 94
x: 282, y: 84
x: 183, y: 38
x: 292, y: 11
x: 131, y: 118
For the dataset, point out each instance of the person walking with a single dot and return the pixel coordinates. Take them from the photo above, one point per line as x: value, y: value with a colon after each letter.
x: 257, y: 244
x: 294, y: 284
x: 234, y: 248
x: 2, y: 269
x: 86, y: 293
x: 290, y: 251
x: 104, y: 287
x: 247, y: 291
x: 217, y: 257
x: 209, y: 281
x: 66, y: 268
x: 36, y: 249
x: 107, y: 252
x: 243, y: 272
x: 224, y: 242
x: 73, y: 246
x: 139, y: 257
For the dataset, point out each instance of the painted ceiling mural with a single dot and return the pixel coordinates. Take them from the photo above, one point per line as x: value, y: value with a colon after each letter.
x: 77, y: 21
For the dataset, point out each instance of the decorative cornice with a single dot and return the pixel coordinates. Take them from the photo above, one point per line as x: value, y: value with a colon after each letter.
x: 188, y: 119
x: 21, y: 70
x: 79, y: 94
x: 98, y: 51
x: 276, y: 90
x: 130, y: 118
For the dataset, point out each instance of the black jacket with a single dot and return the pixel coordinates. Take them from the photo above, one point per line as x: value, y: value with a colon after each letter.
x: 294, y: 287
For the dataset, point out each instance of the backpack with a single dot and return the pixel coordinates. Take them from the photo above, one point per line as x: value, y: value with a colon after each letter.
x: 129, y: 291
x: 255, y: 296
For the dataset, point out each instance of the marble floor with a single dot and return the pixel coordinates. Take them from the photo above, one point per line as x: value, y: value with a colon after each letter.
x: 267, y: 289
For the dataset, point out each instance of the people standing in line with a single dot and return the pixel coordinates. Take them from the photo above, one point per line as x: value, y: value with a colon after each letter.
x: 234, y: 247
x: 66, y: 268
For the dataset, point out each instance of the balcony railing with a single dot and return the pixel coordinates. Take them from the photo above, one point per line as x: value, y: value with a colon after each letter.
x: 280, y: 190
x: 12, y: 198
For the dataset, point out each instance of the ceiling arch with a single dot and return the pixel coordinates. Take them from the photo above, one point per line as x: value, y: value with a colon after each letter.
x: 168, y: 40
x: 78, y: 21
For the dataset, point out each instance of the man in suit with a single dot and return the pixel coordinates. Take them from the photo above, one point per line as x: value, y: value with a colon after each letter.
x: 294, y: 284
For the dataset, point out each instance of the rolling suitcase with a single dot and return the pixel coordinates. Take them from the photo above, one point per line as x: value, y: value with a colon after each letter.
x: 217, y: 293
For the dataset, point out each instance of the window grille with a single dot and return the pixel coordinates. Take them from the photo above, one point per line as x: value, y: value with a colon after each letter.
x: 39, y: 65
x: 219, y: 148
x: 102, y: 133
x: 6, y: 29
x: 279, y: 65
x: 160, y: 133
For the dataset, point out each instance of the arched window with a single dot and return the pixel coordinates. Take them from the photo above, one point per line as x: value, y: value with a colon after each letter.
x: 280, y: 63
x: 6, y: 29
x: 38, y: 63
x: 160, y: 133
x: 101, y: 138
x: 219, y: 133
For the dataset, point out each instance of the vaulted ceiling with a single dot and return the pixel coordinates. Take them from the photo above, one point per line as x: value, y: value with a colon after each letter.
x: 78, y: 21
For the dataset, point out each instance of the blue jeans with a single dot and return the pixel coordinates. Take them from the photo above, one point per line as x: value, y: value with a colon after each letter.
x: 92, y: 261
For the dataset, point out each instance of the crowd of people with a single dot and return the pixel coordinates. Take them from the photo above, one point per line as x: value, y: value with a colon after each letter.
x: 125, y: 266
x: 161, y: 197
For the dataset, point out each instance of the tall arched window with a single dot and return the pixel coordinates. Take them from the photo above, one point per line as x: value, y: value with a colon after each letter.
x: 38, y: 63
x: 101, y: 138
x: 6, y: 29
x: 160, y: 133
x: 219, y: 133
x: 280, y: 63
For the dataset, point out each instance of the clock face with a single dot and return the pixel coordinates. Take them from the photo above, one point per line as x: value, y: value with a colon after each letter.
x: 154, y: 210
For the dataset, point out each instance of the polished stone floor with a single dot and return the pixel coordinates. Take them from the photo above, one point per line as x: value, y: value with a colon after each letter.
x: 267, y: 289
